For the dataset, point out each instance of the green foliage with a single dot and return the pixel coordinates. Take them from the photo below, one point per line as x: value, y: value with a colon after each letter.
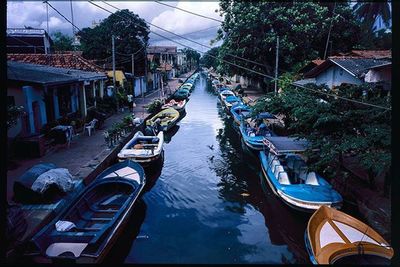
x: 334, y: 126
x: 250, y: 30
x: 62, y: 42
x: 192, y: 56
x: 209, y: 58
x: 13, y: 114
x: 131, y: 34
x: 154, y: 106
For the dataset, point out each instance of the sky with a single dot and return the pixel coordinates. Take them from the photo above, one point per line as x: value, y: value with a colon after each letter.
x: 202, y: 30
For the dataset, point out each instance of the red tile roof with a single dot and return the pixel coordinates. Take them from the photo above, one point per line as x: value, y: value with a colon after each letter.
x: 318, y: 61
x: 165, y: 66
x: 375, y: 54
x: 69, y: 61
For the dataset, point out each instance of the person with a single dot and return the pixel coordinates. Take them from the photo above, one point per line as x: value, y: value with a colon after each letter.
x: 262, y: 129
x: 130, y: 100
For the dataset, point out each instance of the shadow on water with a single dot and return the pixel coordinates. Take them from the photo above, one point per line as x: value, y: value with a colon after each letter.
x: 169, y: 134
x: 243, y: 183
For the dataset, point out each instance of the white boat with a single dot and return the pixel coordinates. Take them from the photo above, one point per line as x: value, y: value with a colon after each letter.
x: 143, y: 149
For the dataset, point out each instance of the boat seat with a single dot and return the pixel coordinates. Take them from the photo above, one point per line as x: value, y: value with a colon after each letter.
x: 277, y: 170
x: 283, y: 178
x: 274, y: 163
x: 312, y: 179
x: 303, y: 174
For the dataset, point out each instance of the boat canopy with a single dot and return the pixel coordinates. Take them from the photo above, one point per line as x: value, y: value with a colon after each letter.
x: 266, y: 115
x: 282, y: 144
x: 231, y: 99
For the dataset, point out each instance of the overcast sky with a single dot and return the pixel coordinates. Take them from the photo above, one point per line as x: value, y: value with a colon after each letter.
x: 26, y: 13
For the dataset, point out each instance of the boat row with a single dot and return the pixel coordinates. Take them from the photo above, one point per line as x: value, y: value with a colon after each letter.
x: 331, y: 236
x: 86, y: 229
x: 147, y: 147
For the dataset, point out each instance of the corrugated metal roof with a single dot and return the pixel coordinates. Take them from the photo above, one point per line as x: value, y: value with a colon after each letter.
x: 18, y: 71
x: 48, y: 75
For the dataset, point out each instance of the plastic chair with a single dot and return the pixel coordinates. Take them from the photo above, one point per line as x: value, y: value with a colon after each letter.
x: 90, y: 126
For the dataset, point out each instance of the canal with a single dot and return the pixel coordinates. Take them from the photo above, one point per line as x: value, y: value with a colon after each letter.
x: 207, y: 201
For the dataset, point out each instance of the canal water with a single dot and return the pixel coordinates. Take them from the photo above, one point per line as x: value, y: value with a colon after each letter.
x: 207, y: 201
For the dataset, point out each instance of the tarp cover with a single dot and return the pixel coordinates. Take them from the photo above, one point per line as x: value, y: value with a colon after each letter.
x: 59, y: 177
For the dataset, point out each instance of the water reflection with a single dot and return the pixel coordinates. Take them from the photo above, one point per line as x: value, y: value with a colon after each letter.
x: 170, y: 133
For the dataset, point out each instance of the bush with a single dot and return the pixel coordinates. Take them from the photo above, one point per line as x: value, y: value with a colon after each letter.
x: 154, y: 106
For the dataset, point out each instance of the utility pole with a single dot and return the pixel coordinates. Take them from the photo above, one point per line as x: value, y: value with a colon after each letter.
x: 329, y: 32
x: 133, y: 73
x: 113, y: 64
x: 276, y: 64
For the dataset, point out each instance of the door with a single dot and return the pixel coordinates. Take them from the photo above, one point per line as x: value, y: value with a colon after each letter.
x: 37, y: 122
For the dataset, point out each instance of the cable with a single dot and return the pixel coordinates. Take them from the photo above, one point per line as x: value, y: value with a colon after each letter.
x: 194, y: 31
x: 233, y: 64
x: 181, y: 36
x: 187, y: 11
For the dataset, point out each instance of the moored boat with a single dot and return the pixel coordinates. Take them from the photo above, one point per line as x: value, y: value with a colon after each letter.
x: 230, y: 101
x: 181, y: 94
x: 224, y: 94
x: 164, y: 120
x: 86, y: 230
x: 143, y: 149
x: 254, y: 130
x: 240, y: 111
x: 178, y: 105
x: 286, y: 172
x: 332, y: 236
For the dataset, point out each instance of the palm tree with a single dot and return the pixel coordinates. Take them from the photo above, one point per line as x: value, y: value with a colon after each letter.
x: 368, y: 12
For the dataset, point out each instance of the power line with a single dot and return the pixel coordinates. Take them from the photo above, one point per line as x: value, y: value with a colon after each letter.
x: 233, y: 64
x: 187, y: 11
x: 185, y: 38
x: 194, y: 31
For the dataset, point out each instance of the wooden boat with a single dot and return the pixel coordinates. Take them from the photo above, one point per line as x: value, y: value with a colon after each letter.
x: 166, y: 118
x: 230, y: 101
x: 248, y: 129
x: 187, y: 86
x: 178, y: 105
x: 287, y: 174
x: 332, y: 235
x: 86, y: 230
x: 143, y: 149
x: 240, y: 111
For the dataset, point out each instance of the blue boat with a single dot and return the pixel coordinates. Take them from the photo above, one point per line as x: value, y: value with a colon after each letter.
x: 288, y: 176
x: 230, y: 101
x: 254, y: 130
x: 86, y: 230
x: 240, y: 111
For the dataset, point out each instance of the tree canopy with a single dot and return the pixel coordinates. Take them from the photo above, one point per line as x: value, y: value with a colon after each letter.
x: 192, y: 56
x: 62, y: 42
x: 209, y: 59
x: 131, y: 34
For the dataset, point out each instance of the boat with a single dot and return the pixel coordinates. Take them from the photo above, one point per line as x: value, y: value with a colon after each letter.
x: 224, y: 94
x: 85, y: 231
x: 230, y: 101
x: 187, y: 86
x: 166, y: 118
x: 254, y: 130
x: 285, y: 169
x: 332, y: 236
x: 143, y: 149
x: 178, y: 105
x: 240, y: 111
x: 181, y: 94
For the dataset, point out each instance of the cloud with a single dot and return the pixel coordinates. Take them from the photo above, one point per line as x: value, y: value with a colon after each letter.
x: 34, y: 14
x: 182, y: 22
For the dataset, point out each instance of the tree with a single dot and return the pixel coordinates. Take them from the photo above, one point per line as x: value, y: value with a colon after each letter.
x: 369, y: 12
x: 250, y: 30
x: 131, y: 34
x: 335, y: 126
x: 13, y: 114
x: 209, y: 59
x: 62, y: 42
x: 192, y: 56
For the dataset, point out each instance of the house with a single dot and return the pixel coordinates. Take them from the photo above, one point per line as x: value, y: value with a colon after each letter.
x: 94, y: 84
x: 162, y: 55
x: 351, y: 70
x: 28, y: 40
x: 312, y: 64
x: 181, y: 62
x: 49, y: 93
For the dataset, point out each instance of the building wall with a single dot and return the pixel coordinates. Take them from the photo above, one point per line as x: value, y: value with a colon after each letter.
x: 335, y: 76
x: 379, y: 75
x: 31, y: 95
x: 140, y: 84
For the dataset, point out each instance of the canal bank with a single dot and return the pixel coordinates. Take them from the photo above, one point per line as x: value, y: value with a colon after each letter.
x: 85, y: 158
